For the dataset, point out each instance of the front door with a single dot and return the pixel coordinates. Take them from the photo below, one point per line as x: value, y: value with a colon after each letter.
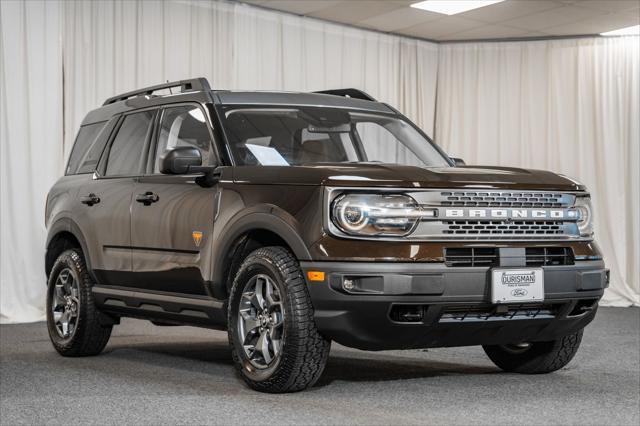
x: 172, y: 216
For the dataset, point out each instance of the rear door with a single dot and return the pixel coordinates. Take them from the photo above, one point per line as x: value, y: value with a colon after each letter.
x: 172, y: 216
x: 104, y: 202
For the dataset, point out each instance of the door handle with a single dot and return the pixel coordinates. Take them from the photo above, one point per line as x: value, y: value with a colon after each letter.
x: 90, y: 199
x: 147, y: 198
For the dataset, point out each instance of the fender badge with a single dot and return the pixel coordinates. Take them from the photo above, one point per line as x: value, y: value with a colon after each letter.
x: 197, y: 237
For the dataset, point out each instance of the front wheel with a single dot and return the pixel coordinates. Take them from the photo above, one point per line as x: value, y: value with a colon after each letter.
x: 537, y: 357
x: 73, y: 320
x: 274, y: 341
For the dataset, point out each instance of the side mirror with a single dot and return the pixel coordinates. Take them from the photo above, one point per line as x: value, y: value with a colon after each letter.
x: 458, y: 162
x: 180, y: 160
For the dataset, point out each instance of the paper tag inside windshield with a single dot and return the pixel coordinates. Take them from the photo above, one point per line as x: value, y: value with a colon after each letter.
x: 266, y: 155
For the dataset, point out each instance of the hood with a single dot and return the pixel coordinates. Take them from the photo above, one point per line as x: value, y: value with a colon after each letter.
x: 394, y: 175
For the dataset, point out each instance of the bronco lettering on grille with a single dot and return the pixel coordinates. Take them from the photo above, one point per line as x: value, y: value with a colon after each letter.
x: 511, y: 213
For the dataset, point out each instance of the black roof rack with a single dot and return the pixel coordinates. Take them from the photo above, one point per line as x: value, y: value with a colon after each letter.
x: 349, y: 93
x: 194, y: 84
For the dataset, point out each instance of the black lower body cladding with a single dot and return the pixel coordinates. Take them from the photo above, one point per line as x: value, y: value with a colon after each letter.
x: 378, y: 306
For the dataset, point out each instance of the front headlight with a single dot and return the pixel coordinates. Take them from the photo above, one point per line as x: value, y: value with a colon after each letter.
x: 585, y: 215
x: 377, y: 214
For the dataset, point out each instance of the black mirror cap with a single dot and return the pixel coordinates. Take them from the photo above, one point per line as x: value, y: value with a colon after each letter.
x: 458, y: 162
x: 177, y: 161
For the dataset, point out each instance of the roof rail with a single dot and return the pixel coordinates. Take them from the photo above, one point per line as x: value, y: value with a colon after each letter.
x: 194, y: 84
x: 349, y: 93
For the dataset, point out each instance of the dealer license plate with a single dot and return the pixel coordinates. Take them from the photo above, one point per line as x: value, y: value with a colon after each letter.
x: 517, y: 285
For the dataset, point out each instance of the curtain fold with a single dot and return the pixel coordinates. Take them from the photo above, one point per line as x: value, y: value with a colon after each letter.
x: 570, y: 106
x: 31, y: 156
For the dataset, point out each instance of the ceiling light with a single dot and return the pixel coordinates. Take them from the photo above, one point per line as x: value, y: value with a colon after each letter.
x: 635, y: 30
x: 452, y: 7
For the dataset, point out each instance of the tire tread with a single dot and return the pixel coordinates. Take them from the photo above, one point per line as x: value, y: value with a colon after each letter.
x: 541, y: 358
x: 91, y: 335
x: 306, y: 350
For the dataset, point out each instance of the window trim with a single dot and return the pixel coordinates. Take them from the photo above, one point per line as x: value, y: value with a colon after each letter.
x: 153, y: 145
x: 104, y: 123
x: 101, y: 170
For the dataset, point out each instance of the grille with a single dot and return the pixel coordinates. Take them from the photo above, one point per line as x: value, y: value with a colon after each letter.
x: 502, y: 199
x: 521, y: 227
x: 549, y: 256
x: 489, y: 256
x: 470, y: 313
x: 472, y: 256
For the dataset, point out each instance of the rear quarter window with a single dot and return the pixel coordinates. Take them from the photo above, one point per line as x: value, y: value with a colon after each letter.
x: 86, y: 149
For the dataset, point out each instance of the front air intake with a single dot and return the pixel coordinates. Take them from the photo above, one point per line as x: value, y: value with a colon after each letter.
x: 489, y: 256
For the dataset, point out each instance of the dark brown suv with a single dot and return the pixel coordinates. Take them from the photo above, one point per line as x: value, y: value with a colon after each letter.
x: 295, y: 219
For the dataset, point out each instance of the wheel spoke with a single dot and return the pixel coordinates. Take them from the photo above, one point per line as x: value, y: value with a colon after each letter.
x: 269, y: 295
x: 258, y: 295
x: 249, y: 324
x: 58, y: 295
x: 275, y: 333
x: 64, y: 322
x: 276, y: 319
x: 275, y: 343
x: 262, y: 346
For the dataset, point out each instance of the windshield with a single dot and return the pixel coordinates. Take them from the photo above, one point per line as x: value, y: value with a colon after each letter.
x: 293, y: 136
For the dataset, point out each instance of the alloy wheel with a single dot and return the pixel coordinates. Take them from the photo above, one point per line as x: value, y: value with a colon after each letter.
x: 65, y: 303
x: 261, y: 321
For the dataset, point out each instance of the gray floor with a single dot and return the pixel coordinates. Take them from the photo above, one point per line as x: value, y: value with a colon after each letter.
x: 161, y: 375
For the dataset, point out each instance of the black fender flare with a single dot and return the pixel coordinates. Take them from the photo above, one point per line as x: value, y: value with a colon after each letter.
x: 66, y: 224
x: 270, y: 219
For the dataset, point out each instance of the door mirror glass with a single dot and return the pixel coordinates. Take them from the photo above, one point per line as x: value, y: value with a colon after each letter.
x: 178, y: 161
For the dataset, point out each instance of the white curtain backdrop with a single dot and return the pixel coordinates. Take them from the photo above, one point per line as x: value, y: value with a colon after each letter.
x: 31, y: 155
x: 570, y: 106
x: 108, y: 47
x: 60, y: 59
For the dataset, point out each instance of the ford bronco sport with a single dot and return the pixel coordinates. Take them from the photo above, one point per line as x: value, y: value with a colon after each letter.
x: 296, y: 219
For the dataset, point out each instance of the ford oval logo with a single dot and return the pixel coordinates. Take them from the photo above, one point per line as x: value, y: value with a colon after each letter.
x: 518, y: 292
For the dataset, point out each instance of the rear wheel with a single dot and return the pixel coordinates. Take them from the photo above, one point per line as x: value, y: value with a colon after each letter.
x: 537, y: 357
x: 275, y: 344
x: 72, y: 318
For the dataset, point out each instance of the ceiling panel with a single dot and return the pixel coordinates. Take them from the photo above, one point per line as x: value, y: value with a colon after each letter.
x: 610, y: 5
x: 353, y: 11
x: 488, y: 32
x: 296, y: 6
x: 508, y: 19
x: 441, y: 27
x: 595, y: 25
x: 553, y: 17
x: 509, y: 10
x: 399, y: 18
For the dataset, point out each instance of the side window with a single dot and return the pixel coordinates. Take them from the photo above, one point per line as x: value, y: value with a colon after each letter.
x: 381, y: 145
x: 183, y: 126
x: 86, y: 150
x: 126, y: 150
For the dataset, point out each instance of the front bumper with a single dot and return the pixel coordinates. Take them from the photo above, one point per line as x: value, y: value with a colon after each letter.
x: 420, y: 305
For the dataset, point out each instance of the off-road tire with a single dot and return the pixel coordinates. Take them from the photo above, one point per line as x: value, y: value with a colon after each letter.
x: 90, y: 336
x: 304, y: 351
x: 539, y: 358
